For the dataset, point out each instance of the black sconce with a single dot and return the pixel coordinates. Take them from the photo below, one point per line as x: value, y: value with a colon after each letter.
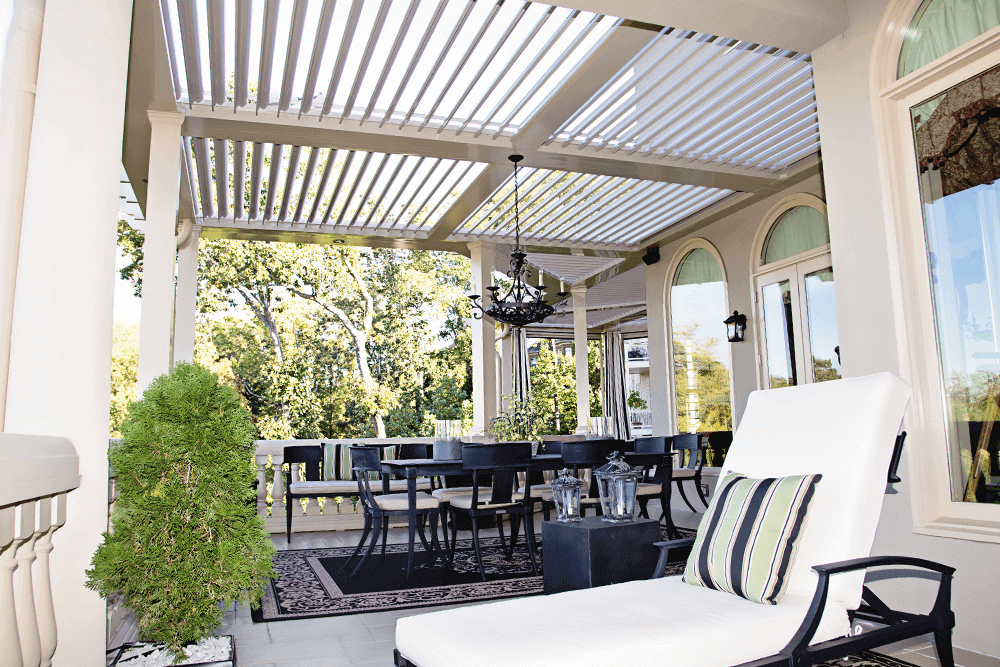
x: 736, y: 324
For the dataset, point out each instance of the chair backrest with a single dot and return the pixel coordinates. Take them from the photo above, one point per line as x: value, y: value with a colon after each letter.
x: 588, y: 454
x: 311, y: 455
x: 414, y: 450
x: 656, y: 444
x: 689, y: 442
x: 845, y: 430
x: 718, y: 446
x: 504, y: 460
x: 364, y: 462
x: 550, y: 447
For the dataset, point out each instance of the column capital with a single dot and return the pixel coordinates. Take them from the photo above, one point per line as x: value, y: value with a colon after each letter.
x: 165, y: 117
x: 578, y: 290
x: 481, y: 245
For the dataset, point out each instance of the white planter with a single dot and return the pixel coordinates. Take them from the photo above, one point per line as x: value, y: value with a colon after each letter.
x: 146, y: 654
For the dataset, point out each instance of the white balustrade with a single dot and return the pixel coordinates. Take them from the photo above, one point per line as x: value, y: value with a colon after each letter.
x: 36, y: 473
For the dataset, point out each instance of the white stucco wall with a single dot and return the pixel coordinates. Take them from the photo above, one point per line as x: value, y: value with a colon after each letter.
x: 850, y: 184
x: 867, y: 333
x: 733, y: 237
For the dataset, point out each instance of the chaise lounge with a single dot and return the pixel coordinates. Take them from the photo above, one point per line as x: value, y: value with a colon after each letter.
x: 843, y: 430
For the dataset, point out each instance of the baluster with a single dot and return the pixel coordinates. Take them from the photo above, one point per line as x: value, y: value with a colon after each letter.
x: 296, y: 507
x: 278, y: 490
x: 10, y: 644
x: 262, y: 486
x: 43, y: 592
x: 31, y: 650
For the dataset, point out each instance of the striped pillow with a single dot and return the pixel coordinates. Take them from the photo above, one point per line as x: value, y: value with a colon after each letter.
x: 747, y: 539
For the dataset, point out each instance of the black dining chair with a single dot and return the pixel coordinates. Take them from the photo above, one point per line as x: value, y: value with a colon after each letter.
x: 586, y: 455
x: 652, y: 478
x: 367, y: 463
x: 718, y: 447
x: 313, y: 486
x: 688, y: 448
x: 503, y: 461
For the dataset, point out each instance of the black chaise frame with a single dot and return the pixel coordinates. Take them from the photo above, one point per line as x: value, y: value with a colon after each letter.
x: 896, y: 625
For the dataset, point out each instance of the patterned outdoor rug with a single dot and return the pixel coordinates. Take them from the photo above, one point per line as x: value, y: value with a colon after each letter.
x: 867, y: 659
x: 311, y: 583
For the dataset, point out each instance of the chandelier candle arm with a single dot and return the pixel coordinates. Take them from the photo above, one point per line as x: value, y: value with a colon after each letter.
x: 523, y: 303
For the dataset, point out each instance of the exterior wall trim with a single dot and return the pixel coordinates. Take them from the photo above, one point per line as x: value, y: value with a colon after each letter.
x: 933, y: 511
x: 675, y: 262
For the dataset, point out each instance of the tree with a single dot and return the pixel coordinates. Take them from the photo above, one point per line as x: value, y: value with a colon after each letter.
x: 124, y: 371
x: 711, y: 385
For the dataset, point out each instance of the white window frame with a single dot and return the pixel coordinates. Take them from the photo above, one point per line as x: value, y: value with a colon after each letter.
x: 796, y: 267
x: 933, y: 510
x: 675, y: 263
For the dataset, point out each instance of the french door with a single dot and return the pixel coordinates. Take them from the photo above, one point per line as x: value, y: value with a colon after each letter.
x: 797, y: 324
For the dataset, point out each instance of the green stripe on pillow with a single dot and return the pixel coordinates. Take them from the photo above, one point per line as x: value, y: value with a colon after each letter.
x: 747, y: 539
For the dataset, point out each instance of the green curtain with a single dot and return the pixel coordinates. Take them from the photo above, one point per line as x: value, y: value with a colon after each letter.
x: 797, y: 230
x: 940, y: 26
x: 699, y: 266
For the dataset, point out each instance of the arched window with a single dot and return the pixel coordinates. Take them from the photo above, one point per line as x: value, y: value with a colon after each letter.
x: 795, y: 299
x: 940, y: 26
x: 936, y: 88
x: 700, y: 350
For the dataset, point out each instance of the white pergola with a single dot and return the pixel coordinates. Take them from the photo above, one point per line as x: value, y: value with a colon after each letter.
x: 388, y: 123
x: 673, y: 126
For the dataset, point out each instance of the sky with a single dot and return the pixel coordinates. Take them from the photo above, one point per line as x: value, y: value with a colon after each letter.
x: 127, y: 304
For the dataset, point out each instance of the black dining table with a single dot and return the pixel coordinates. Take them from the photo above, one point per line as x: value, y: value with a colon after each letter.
x: 411, y: 469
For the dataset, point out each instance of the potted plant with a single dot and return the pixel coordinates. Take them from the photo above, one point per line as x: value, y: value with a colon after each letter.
x: 186, y: 540
x: 516, y: 423
x: 636, y: 402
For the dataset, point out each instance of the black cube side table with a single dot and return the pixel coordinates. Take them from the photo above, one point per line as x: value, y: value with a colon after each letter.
x: 594, y: 552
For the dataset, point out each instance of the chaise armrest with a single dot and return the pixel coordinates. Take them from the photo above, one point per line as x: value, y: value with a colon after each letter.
x: 940, y: 617
x: 665, y: 547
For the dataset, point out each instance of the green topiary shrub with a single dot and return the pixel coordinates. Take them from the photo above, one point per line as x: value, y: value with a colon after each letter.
x: 186, y: 538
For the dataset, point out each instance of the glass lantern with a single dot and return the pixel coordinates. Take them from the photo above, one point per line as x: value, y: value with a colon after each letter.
x: 617, y: 482
x: 566, y: 495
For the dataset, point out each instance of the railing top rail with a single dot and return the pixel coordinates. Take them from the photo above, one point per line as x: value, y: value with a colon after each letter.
x: 36, y: 466
x: 277, y: 447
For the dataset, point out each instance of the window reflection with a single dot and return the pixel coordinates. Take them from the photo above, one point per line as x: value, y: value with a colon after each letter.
x: 822, y: 306
x: 955, y: 136
x: 779, y: 333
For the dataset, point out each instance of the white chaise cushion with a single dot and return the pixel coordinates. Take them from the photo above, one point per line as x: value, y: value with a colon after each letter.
x: 845, y: 431
x: 639, y: 624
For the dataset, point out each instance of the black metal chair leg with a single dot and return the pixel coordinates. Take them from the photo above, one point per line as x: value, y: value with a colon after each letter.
x: 942, y: 641
x: 475, y: 544
x: 420, y: 532
x: 529, y: 538
x: 515, y: 531
x: 409, y: 555
x: 503, y: 540
x: 680, y: 487
x: 545, y: 511
x: 371, y: 545
x: 454, y: 536
x: 288, y: 519
x: 701, y: 494
x: 385, y: 533
x: 361, y: 542
x: 643, y: 502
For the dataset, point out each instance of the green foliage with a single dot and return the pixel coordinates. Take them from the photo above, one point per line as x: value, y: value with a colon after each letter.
x: 516, y: 423
x: 712, y: 377
x: 636, y: 401
x: 553, y: 383
x: 124, y: 371
x: 130, y: 243
x: 186, y: 538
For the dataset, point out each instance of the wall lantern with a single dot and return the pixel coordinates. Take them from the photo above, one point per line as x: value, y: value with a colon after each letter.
x: 736, y: 324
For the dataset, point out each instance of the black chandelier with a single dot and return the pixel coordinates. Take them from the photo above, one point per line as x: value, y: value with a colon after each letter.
x: 523, y: 304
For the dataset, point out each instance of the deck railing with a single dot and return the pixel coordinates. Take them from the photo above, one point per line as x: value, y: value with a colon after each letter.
x: 36, y: 473
x: 309, y: 514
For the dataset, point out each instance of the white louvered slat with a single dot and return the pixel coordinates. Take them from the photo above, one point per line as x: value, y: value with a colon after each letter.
x: 268, y: 39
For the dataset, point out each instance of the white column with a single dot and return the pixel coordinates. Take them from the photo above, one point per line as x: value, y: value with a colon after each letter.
x: 582, y: 367
x: 186, y: 303
x: 60, y: 361
x: 484, y: 368
x: 17, y: 104
x: 159, y: 246
x: 506, y: 367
